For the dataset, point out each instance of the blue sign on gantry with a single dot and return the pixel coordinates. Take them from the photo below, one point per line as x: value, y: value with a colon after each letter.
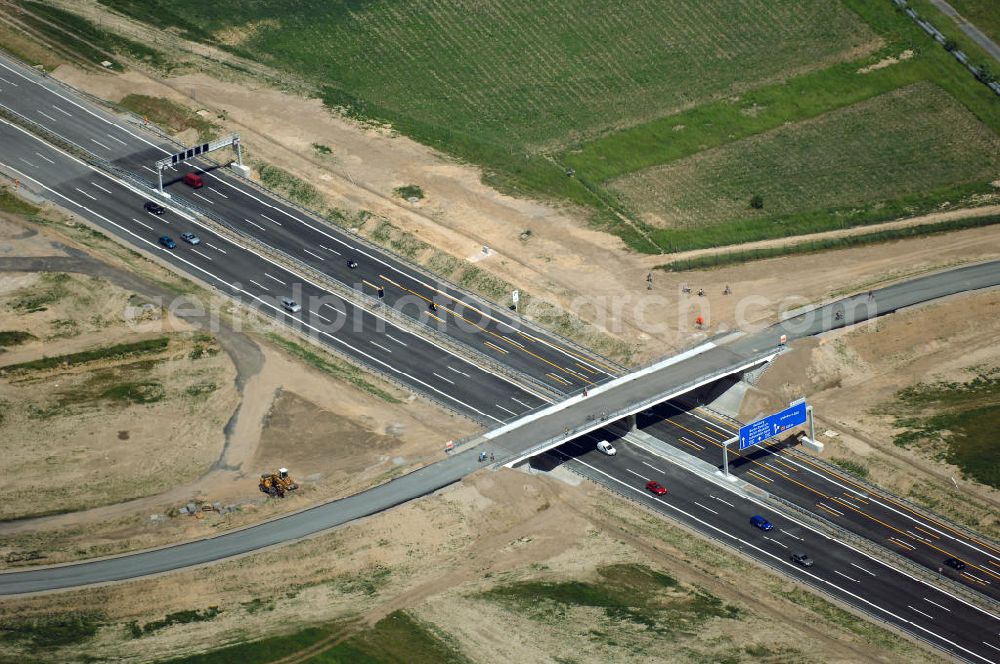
x: 772, y: 425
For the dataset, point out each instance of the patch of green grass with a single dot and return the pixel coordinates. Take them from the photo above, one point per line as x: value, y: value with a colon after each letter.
x: 830, y: 612
x: 396, y: 638
x: 53, y: 286
x: 916, y: 146
x: 409, y: 191
x: 170, y: 115
x: 627, y: 593
x: 954, y: 422
x: 10, y: 202
x: 258, y: 605
x: 264, y: 651
x: 850, y: 466
x: 51, y: 631
x: 813, y: 246
x: 136, y: 392
x: 443, y: 264
x: 181, y: 618
x: 290, y: 186
x: 336, y: 369
x: 367, y: 583
x: 90, y: 41
x: 15, y: 337
x: 115, y: 352
x: 322, y: 150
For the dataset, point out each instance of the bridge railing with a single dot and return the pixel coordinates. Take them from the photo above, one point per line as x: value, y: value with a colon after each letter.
x: 610, y: 416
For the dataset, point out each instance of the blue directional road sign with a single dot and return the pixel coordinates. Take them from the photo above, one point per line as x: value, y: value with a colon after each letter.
x: 772, y: 425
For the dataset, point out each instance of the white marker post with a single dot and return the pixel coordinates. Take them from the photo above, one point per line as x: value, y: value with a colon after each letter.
x: 725, y: 456
x: 515, y: 296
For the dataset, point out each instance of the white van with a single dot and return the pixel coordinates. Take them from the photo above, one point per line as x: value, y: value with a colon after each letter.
x: 607, y: 448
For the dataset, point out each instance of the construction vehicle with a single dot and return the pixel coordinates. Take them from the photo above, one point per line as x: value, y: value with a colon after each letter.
x: 277, y: 484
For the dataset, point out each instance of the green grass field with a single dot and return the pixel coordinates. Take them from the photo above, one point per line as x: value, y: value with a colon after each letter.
x: 984, y: 14
x: 904, y: 143
x: 528, y: 88
x: 529, y: 74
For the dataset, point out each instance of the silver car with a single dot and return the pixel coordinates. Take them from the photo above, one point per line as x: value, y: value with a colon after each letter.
x: 190, y: 238
x: 290, y: 305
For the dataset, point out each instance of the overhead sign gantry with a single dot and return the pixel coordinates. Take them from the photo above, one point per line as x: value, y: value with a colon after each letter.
x: 232, y: 140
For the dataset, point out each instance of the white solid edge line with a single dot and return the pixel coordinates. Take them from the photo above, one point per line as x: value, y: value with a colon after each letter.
x: 783, y: 561
x: 392, y: 267
x: 251, y: 295
x: 869, y: 497
x: 305, y: 279
x: 744, y: 496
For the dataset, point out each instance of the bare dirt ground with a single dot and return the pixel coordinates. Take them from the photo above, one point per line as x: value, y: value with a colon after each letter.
x: 268, y: 410
x: 850, y: 374
x: 94, y: 449
x: 437, y: 555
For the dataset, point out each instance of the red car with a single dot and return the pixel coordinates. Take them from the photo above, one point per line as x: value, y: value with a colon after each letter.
x: 655, y: 487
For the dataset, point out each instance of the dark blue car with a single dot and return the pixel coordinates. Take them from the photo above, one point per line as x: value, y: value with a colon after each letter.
x: 167, y: 242
x: 760, y: 522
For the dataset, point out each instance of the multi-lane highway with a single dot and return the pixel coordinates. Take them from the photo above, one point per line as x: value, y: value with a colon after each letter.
x: 256, y: 214
x: 259, y: 282
x: 714, y: 509
x: 836, y: 497
x: 252, y: 276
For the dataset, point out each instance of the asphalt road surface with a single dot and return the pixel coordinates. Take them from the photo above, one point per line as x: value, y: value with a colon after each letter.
x: 482, y: 326
x: 888, y: 594
x: 831, y: 495
x: 260, y: 283
x: 255, y: 279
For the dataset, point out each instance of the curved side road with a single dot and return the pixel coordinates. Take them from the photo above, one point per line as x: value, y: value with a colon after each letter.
x: 441, y: 474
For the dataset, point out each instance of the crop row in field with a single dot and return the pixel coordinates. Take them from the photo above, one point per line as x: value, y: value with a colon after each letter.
x: 531, y: 74
x: 900, y: 144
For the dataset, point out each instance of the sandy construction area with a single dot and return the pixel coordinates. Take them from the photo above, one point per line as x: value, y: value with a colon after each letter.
x: 851, y: 377
x: 437, y: 556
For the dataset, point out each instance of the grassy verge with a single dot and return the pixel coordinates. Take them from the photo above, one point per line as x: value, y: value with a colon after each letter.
x: 9, y: 202
x: 339, y: 370
x: 955, y: 423
x: 169, y: 114
x: 14, y: 337
x: 116, y: 352
x: 632, y: 593
x: 853, y: 467
x: 89, y: 41
x: 264, y: 651
x: 814, y: 246
x: 396, y: 638
x: 51, y: 631
x: 292, y: 187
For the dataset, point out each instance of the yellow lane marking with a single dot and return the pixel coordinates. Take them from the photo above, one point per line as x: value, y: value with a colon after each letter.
x: 902, y: 506
x: 927, y: 532
x: 483, y: 329
x: 976, y: 579
x: 568, y: 352
x: 368, y: 283
x: 495, y: 347
x: 835, y: 499
x: 558, y: 378
x: 587, y: 369
x: 827, y: 509
x: 435, y: 318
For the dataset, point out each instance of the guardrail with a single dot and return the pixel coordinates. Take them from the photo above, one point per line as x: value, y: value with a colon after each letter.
x: 888, y: 556
x: 774, y: 567
x: 237, y: 236
x: 142, y: 123
x: 609, y: 417
x: 930, y: 515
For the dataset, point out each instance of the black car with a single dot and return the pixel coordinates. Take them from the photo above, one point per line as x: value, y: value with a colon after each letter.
x: 153, y: 208
x: 802, y: 559
x: 352, y: 264
x: 955, y: 563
